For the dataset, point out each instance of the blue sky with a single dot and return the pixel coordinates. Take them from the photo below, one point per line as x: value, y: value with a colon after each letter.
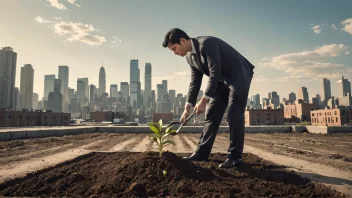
x: 291, y: 43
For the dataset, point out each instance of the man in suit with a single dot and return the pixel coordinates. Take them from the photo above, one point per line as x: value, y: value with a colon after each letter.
x: 230, y: 75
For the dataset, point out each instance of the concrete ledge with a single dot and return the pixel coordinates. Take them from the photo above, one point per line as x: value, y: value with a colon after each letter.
x: 47, y: 132
x: 14, y: 135
x: 5, y: 136
x: 34, y: 134
x: 317, y: 129
x: 76, y: 131
x: 340, y: 129
x: 62, y: 132
x: 268, y: 129
x: 298, y: 129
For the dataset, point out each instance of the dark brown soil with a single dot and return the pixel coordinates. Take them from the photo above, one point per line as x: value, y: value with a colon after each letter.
x: 127, y: 174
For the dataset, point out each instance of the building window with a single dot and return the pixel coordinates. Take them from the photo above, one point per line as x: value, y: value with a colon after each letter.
x: 335, y: 112
x: 337, y: 119
x: 312, y: 114
x: 8, y: 117
x: 328, y: 120
x: 258, y: 120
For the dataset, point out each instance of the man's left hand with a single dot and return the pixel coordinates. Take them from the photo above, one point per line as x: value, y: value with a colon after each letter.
x: 200, y: 106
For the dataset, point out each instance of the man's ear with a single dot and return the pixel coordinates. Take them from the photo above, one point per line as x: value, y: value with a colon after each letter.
x: 182, y: 41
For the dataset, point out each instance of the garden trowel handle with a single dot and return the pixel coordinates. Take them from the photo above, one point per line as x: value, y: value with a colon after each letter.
x: 189, y: 117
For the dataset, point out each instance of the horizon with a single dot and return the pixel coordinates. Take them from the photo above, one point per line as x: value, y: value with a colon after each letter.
x: 287, y: 42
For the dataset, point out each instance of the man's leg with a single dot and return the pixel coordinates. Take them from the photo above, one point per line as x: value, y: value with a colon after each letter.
x: 213, y: 117
x: 237, y: 107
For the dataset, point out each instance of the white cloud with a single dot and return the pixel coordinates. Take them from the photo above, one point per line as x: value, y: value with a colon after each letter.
x: 75, y: 31
x: 309, y: 64
x: 115, y: 41
x: 316, y: 28
x: 260, y: 78
x: 333, y: 26
x: 41, y: 20
x: 347, y: 53
x: 347, y: 25
x: 78, y: 32
x: 57, y: 18
x: 57, y: 4
x: 73, y: 2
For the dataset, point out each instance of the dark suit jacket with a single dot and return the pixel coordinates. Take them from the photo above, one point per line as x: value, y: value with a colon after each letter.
x: 220, y: 62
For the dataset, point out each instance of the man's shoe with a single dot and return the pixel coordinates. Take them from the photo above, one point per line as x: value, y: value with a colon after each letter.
x: 229, y: 163
x: 195, y: 157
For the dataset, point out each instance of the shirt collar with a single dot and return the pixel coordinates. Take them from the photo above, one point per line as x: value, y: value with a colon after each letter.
x: 193, y: 49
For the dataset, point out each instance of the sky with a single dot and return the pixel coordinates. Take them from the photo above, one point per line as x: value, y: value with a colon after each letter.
x: 291, y: 43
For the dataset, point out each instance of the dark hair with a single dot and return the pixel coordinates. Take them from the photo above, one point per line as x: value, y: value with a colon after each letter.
x: 174, y: 36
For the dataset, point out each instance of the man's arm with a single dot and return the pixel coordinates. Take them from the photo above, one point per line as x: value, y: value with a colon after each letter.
x: 214, y: 62
x: 194, y: 87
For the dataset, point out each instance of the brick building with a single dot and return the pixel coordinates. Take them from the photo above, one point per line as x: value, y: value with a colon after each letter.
x: 298, y: 112
x: 100, y: 116
x: 331, y: 117
x: 33, y: 118
x: 264, y: 117
x: 166, y: 117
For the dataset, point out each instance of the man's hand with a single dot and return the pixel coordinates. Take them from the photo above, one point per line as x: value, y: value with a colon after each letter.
x: 184, y: 116
x: 200, y: 106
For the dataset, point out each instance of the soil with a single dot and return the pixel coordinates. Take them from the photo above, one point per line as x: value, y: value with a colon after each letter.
x: 140, y: 174
x: 329, y: 149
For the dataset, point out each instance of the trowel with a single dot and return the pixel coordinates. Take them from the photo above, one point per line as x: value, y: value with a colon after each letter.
x: 181, y: 124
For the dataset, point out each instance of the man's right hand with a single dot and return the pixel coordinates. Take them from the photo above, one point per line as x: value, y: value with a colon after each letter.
x: 184, y: 116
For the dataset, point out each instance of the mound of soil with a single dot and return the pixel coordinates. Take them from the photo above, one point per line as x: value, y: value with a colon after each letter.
x: 127, y: 174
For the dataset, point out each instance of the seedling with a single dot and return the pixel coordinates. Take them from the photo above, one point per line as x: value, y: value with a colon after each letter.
x: 160, y: 135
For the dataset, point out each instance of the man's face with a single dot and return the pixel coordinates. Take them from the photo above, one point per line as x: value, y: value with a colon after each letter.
x: 178, y: 49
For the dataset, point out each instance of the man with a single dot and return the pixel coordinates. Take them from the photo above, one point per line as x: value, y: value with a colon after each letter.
x: 230, y: 76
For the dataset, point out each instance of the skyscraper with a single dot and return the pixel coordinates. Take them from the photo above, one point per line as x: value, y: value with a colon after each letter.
x: 82, y: 90
x: 134, y: 83
x: 172, y: 96
x: 303, y: 94
x: 113, y: 91
x: 55, y: 97
x: 344, y: 87
x: 164, y: 82
x: 102, y: 81
x: 292, y: 97
x: 26, y: 87
x: 64, y: 76
x: 325, y: 91
x: 147, y: 96
x: 48, y: 85
x: 92, y: 93
x: 159, y: 92
x: 8, y: 62
x: 35, y: 101
x: 125, y: 90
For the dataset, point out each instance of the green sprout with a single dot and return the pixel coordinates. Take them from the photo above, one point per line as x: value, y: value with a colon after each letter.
x: 160, y: 135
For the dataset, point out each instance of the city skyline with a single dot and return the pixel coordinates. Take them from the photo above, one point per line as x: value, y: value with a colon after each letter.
x: 318, y: 47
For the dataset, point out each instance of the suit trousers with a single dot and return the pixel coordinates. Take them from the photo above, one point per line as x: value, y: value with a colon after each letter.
x: 214, y: 113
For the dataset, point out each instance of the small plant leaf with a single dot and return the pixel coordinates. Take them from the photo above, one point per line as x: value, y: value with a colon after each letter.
x: 170, y: 130
x: 168, y: 142
x: 161, y: 124
x: 154, y: 127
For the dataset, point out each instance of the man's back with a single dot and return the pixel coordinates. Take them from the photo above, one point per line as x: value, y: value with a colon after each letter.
x: 236, y: 70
